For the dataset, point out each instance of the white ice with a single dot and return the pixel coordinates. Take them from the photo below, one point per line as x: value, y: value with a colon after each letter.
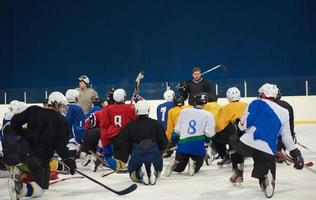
x: 210, y: 183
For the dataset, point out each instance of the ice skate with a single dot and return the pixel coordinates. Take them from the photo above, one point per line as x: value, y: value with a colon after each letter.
x: 192, y: 167
x: 153, y: 175
x: 145, y: 179
x: 172, y: 165
x: 237, y: 177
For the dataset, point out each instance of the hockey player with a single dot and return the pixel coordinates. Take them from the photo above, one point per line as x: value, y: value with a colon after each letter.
x: 15, y: 107
x: 173, y: 116
x: 87, y: 94
x: 93, y: 131
x: 194, y: 127
x: 76, y: 118
x: 145, y: 140
x: 263, y: 122
x: 225, y: 118
x: 46, y: 132
x: 115, y: 118
x: 198, y: 85
x: 162, y: 109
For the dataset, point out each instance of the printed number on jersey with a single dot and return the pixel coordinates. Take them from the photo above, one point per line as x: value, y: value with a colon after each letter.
x: 163, y: 113
x: 118, y: 120
x: 192, y: 129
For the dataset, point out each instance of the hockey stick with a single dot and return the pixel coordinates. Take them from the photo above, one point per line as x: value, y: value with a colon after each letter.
x: 136, y: 86
x: 112, y: 172
x: 288, y: 158
x: 130, y: 189
x: 216, y: 67
x: 306, y: 148
x: 63, y: 179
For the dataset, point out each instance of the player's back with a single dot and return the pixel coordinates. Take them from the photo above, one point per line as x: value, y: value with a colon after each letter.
x: 193, y: 126
x: 117, y: 116
x: 229, y: 113
x: 162, y: 113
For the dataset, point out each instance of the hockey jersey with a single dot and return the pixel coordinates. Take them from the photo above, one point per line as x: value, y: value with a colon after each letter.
x: 193, y: 127
x: 173, y: 116
x: 76, y: 119
x: 212, y: 107
x: 116, y: 116
x: 162, y: 113
x: 229, y: 113
x: 263, y: 122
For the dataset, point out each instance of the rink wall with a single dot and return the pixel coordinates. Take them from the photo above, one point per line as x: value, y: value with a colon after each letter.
x: 304, y: 107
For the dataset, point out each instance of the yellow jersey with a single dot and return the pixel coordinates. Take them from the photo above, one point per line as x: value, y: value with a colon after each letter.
x: 229, y: 113
x: 173, y: 115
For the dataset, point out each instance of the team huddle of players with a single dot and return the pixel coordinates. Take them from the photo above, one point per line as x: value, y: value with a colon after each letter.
x: 125, y: 137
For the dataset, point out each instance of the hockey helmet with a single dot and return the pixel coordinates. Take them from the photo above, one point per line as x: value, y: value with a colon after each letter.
x: 71, y: 95
x: 119, y: 95
x: 142, y: 107
x: 168, y: 95
x: 233, y: 94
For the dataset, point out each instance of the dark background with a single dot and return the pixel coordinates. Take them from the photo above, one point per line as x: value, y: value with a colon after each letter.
x: 47, y: 45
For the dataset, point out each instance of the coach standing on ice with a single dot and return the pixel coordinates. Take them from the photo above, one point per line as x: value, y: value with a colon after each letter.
x: 198, y: 85
x: 87, y: 94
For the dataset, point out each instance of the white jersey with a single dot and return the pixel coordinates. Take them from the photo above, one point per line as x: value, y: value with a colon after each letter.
x: 263, y: 122
x: 193, y: 127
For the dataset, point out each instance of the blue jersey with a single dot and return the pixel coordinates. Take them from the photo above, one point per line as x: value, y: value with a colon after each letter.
x: 76, y: 118
x: 93, y: 109
x: 263, y: 122
x: 162, y: 113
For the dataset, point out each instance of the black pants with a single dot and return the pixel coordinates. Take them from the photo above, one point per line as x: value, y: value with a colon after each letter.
x: 263, y: 162
x: 183, y: 160
x: 222, y: 138
x: 91, y: 140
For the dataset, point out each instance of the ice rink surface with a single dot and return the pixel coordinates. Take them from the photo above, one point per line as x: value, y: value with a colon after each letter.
x: 210, y: 183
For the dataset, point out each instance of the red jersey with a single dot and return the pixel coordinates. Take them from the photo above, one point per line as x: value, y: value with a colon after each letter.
x: 94, y: 120
x: 116, y: 116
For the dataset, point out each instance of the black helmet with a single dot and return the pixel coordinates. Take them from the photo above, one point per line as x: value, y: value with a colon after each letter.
x: 200, y: 99
x: 178, y: 101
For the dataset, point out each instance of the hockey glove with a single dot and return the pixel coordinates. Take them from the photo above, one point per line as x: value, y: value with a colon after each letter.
x: 297, y: 158
x: 71, y: 165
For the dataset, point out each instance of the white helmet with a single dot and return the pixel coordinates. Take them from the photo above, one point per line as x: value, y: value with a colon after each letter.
x: 269, y: 90
x: 13, y: 103
x: 168, y: 95
x: 119, y: 95
x: 85, y: 79
x: 233, y: 94
x: 57, y: 98
x: 142, y: 107
x: 19, y: 107
x: 71, y: 95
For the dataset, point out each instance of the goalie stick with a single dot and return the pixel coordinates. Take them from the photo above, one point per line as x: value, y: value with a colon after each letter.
x: 136, y: 85
x: 214, y: 68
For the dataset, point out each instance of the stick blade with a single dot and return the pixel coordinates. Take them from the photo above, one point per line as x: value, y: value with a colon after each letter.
x: 223, y: 67
x: 127, y: 190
